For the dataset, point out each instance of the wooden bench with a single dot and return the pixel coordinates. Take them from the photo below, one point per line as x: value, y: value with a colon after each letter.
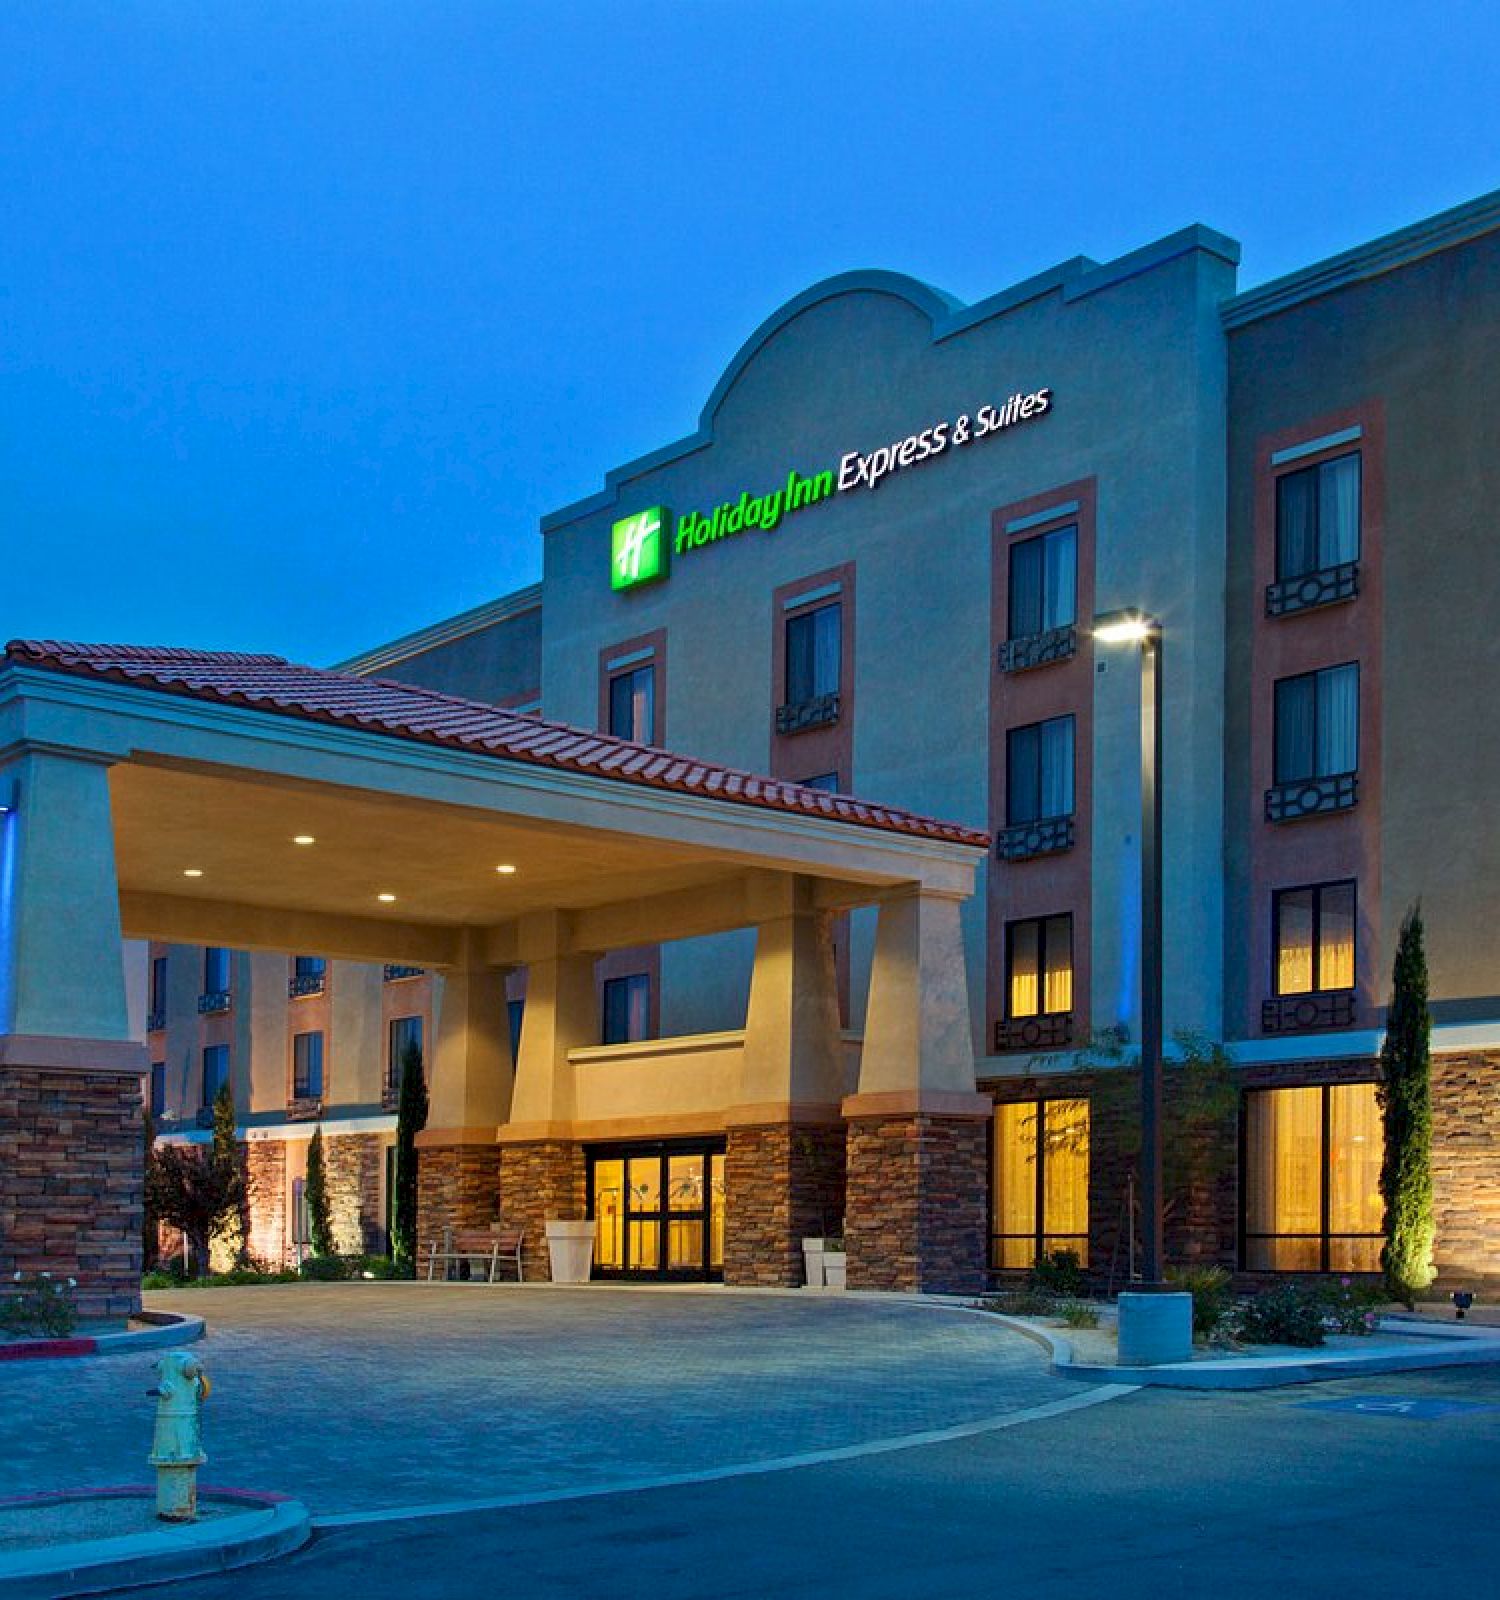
x: 487, y: 1247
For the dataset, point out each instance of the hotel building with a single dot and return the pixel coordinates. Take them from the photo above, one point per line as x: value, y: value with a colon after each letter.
x: 871, y: 571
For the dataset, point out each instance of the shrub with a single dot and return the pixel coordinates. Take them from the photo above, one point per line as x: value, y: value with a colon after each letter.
x: 162, y: 1280
x: 1058, y: 1273
x: 372, y: 1267
x: 1350, y: 1307
x: 1078, y: 1313
x: 1021, y: 1303
x: 39, y: 1304
x: 1209, y: 1287
x: 326, y: 1269
x: 1288, y: 1314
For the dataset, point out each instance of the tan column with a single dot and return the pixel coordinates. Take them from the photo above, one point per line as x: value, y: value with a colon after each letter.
x: 918, y: 1130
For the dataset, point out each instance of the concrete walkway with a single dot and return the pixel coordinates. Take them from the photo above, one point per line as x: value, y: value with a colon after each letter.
x: 362, y: 1397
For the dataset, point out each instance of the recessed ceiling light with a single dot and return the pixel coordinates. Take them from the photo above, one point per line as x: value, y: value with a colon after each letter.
x: 304, y: 838
x: 192, y: 872
x: 385, y: 899
x: 506, y: 868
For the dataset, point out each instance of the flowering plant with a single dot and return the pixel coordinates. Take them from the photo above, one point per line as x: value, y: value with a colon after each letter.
x: 39, y: 1304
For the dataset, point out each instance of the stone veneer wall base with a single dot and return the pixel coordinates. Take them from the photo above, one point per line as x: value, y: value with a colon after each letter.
x: 783, y: 1183
x: 458, y: 1186
x: 539, y: 1182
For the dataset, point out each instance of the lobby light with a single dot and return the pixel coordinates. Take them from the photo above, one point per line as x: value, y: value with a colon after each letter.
x: 192, y: 872
x: 386, y: 899
x: 505, y: 869
x: 303, y: 838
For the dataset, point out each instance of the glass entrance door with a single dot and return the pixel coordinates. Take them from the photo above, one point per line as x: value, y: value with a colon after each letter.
x: 659, y: 1209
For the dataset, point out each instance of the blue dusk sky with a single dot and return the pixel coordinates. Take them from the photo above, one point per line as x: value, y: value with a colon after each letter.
x: 310, y: 310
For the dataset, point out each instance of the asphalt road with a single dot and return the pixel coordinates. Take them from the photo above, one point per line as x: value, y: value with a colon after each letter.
x: 1157, y: 1494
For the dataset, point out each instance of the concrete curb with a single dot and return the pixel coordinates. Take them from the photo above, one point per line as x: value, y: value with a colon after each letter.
x: 169, y: 1328
x: 272, y: 1526
x: 1462, y: 1349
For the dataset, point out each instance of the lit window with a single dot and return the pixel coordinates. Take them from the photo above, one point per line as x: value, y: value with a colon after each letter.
x: 627, y: 1009
x: 1043, y: 589
x: 307, y: 1066
x: 814, y: 642
x: 1312, y: 1179
x: 215, y: 1072
x: 1039, y: 771
x: 1314, y: 929
x: 1039, y: 967
x: 1317, y: 724
x: 632, y: 704
x: 1317, y: 517
x: 1040, y: 1181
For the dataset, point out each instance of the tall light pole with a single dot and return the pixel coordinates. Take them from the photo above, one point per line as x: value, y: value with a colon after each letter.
x: 1133, y: 627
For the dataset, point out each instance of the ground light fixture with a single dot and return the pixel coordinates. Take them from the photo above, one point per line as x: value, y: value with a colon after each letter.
x: 1462, y: 1299
x: 1155, y: 1326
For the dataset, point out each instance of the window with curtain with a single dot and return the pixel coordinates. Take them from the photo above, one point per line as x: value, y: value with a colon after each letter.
x: 1317, y: 517
x: 1039, y: 967
x: 632, y: 704
x: 215, y: 970
x: 814, y: 645
x: 1039, y: 1181
x: 1314, y: 938
x: 1317, y: 724
x: 1311, y: 1179
x: 307, y: 1066
x: 627, y: 1009
x: 1043, y: 589
x: 1039, y: 771
x: 215, y: 1072
x: 404, y: 1031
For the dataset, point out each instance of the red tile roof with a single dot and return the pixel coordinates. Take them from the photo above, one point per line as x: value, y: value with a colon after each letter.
x: 380, y: 705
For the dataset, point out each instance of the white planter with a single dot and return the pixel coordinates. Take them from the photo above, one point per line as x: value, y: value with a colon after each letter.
x: 835, y: 1268
x: 570, y: 1248
x: 813, y: 1258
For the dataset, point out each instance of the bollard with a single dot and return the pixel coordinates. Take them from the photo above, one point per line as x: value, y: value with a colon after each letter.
x: 177, y: 1446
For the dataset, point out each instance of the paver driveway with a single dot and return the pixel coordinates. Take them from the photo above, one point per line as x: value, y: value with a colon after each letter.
x: 360, y: 1396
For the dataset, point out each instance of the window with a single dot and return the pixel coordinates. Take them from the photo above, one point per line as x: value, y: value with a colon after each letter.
x: 515, y: 1011
x: 1317, y: 517
x: 627, y: 1009
x: 1317, y: 724
x: 215, y: 1072
x: 1043, y: 590
x: 824, y: 782
x: 814, y: 643
x: 309, y: 966
x: 632, y: 704
x: 215, y: 970
x: 157, y: 1000
x: 1312, y: 1179
x: 1039, y: 967
x: 1040, y: 1181
x: 404, y: 1032
x: 307, y: 1066
x: 1039, y: 771
x: 158, y: 1088
x: 1314, y: 939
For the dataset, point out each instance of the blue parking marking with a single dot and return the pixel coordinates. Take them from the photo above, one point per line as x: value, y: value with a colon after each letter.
x: 1416, y: 1407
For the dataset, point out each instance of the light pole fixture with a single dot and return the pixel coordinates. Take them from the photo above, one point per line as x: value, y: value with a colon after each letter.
x: 1135, y: 627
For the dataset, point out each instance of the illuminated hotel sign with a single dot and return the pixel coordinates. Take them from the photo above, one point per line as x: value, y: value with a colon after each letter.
x: 639, y: 544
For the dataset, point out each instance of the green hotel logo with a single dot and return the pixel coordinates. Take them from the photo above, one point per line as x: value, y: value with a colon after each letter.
x: 638, y: 548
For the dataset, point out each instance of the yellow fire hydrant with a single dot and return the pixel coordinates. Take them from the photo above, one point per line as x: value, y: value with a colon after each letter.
x: 177, y: 1448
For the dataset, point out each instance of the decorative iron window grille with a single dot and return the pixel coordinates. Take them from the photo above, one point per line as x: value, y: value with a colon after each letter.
x: 1311, y: 797
x: 394, y: 974
x: 1034, y: 1033
x: 307, y: 983
x: 305, y: 1109
x: 390, y: 1094
x: 1298, y: 1013
x: 1038, y: 649
x: 818, y: 713
x: 1044, y: 837
x: 1325, y: 587
x: 213, y: 1003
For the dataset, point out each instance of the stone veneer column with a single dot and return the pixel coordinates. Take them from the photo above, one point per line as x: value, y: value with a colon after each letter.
x: 458, y: 1186
x: 355, y: 1164
x: 538, y: 1182
x: 265, y: 1167
x: 918, y: 1189
x: 783, y: 1182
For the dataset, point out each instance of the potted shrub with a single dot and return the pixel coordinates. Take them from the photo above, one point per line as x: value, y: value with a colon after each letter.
x: 570, y: 1249
x: 825, y: 1261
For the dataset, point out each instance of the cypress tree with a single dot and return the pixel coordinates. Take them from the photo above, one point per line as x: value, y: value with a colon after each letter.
x: 1406, y: 1109
x: 411, y: 1118
x: 315, y: 1193
x: 228, y: 1169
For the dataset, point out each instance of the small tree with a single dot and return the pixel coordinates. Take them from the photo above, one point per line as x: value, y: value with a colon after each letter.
x: 411, y: 1118
x: 315, y: 1192
x: 1406, y: 1108
x: 191, y: 1192
x: 233, y: 1223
